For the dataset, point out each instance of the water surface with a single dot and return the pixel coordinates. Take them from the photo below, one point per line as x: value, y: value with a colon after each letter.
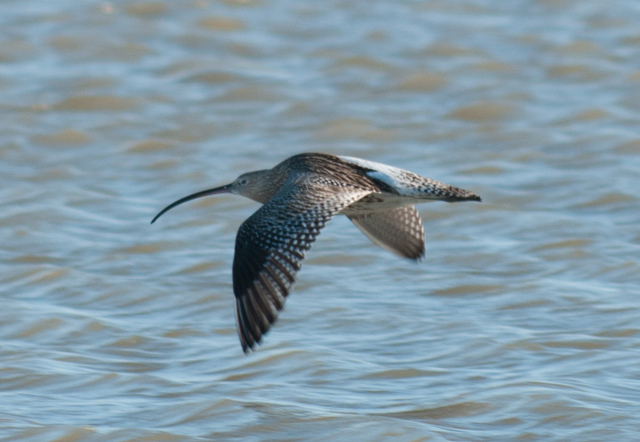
x: 522, y: 322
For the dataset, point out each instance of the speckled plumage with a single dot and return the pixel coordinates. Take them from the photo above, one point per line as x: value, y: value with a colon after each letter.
x: 300, y: 196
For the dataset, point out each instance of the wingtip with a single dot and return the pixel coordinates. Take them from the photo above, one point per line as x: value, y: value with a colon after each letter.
x: 248, y: 339
x: 246, y: 347
x: 416, y: 255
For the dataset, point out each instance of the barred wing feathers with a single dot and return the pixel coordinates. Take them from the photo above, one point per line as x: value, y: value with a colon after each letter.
x: 398, y: 230
x: 272, y: 243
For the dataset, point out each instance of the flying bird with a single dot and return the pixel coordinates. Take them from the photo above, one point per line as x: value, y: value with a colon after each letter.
x: 300, y: 196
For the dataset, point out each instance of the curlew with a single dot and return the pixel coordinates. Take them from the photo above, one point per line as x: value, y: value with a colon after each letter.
x: 300, y: 196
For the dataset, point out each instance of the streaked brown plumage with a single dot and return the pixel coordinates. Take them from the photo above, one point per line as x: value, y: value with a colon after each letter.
x: 300, y: 195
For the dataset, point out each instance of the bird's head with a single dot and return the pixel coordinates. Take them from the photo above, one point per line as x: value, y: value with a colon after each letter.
x: 253, y: 185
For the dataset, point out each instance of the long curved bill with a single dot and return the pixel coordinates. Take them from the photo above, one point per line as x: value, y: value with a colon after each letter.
x: 217, y: 190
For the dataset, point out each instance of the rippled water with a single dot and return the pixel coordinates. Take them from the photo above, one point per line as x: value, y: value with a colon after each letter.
x: 523, y: 321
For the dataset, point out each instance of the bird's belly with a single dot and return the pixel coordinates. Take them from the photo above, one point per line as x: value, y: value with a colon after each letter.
x: 377, y: 202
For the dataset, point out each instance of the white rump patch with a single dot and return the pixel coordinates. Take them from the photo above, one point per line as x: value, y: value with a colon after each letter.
x: 390, y: 175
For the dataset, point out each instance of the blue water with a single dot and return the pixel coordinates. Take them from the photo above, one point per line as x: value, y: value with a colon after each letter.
x: 521, y: 323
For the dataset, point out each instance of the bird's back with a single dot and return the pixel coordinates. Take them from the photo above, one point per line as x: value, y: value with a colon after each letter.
x: 334, y: 169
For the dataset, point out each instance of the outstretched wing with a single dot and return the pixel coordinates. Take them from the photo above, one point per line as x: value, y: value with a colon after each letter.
x: 398, y: 230
x: 271, y: 245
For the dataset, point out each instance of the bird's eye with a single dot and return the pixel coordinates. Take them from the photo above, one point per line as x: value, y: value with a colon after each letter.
x: 244, y: 182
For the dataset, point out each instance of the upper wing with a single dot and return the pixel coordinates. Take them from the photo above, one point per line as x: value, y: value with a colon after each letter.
x: 271, y: 245
x: 397, y: 230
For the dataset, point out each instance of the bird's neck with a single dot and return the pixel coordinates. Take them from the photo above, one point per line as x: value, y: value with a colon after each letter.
x: 265, y: 184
